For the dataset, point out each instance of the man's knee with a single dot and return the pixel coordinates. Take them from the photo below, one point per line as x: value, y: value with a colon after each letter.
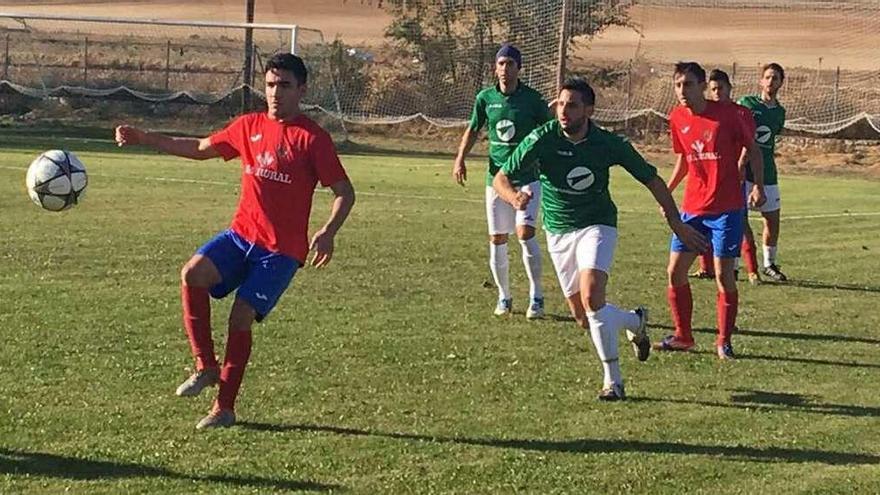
x: 498, y: 239
x: 199, y: 272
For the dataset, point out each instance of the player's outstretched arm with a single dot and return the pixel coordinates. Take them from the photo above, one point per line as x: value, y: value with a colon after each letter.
x: 194, y: 148
x: 459, y: 170
x: 688, y: 235
x: 322, y: 241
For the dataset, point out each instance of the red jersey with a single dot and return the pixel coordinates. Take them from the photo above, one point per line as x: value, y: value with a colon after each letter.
x: 281, y: 164
x: 711, y: 143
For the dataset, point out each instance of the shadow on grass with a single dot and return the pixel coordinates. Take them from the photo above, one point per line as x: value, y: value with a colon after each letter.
x: 785, y: 335
x: 759, y: 400
x: 813, y: 284
x: 39, y: 464
x: 585, y: 446
x: 741, y: 356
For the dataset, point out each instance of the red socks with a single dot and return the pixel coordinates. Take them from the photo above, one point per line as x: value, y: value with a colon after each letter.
x: 727, y: 304
x: 681, y: 304
x: 238, y: 352
x: 197, y: 322
x: 750, y: 256
x: 707, y: 264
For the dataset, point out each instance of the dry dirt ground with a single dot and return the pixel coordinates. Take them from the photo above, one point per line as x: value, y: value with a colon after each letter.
x: 713, y: 36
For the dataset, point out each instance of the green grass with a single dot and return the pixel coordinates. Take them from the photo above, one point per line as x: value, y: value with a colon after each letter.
x: 386, y: 372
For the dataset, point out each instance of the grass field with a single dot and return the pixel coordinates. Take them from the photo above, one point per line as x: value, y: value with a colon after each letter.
x: 386, y: 373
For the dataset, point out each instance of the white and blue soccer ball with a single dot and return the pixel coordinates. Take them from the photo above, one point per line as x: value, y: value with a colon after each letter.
x: 56, y: 180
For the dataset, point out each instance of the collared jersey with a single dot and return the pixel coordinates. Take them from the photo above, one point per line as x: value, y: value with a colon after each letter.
x: 769, y: 122
x: 509, y: 119
x: 281, y: 164
x: 711, y: 143
x: 575, y: 176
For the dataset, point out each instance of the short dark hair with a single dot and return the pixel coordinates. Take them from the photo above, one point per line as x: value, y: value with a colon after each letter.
x: 691, y: 67
x: 719, y: 75
x: 290, y: 63
x: 581, y: 86
x: 778, y: 68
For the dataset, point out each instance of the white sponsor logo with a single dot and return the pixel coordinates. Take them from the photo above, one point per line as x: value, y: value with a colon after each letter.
x: 265, y: 159
x: 268, y: 174
x: 685, y: 129
x: 698, y: 146
x: 699, y: 154
x: 564, y: 153
x: 256, y: 137
x: 261, y: 297
x: 495, y: 105
x: 580, y: 178
x: 505, y: 129
x: 763, y: 134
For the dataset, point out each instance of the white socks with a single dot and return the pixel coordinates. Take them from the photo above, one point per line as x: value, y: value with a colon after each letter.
x: 531, y: 256
x: 500, y: 269
x: 769, y: 255
x: 604, y: 325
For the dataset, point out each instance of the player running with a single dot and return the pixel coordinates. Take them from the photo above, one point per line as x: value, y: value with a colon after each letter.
x: 512, y: 110
x: 573, y: 157
x: 284, y: 154
x: 770, y: 120
x: 710, y: 136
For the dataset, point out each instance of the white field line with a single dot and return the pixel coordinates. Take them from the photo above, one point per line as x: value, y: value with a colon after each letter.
x: 452, y: 200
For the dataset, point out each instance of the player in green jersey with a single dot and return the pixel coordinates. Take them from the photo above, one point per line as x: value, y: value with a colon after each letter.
x: 770, y: 120
x: 510, y: 110
x: 572, y: 157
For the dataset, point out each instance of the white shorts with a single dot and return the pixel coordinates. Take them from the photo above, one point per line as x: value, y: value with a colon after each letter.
x: 503, y: 218
x: 590, y: 248
x: 773, y: 203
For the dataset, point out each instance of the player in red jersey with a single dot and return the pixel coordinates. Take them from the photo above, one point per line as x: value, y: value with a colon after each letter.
x: 284, y: 154
x: 719, y: 90
x: 710, y: 136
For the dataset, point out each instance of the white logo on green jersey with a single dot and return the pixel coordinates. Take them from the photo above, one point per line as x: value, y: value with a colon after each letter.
x: 505, y: 129
x: 580, y: 178
x: 763, y: 134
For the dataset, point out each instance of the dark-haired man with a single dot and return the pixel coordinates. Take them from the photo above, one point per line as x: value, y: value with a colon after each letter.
x: 509, y: 110
x: 572, y: 157
x: 284, y: 154
x: 710, y: 136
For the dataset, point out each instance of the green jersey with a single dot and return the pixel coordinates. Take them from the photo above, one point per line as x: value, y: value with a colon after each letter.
x: 769, y: 122
x: 510, y: 118
x: 574, y: 176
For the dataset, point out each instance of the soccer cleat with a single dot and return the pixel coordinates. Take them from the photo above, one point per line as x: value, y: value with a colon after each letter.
x: 702, y: 275
x: 536, y: 309
x: 775, y: 273
x: 197, y: 382
x: 639, y: 339
x: 218, y: 418
x: 505, y: 307
x: 613, y: 392
x: 673, y: 343
x: 755, y: 279
x: 725, y: 352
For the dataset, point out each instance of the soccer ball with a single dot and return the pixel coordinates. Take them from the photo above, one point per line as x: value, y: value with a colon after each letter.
x: 56, y: 180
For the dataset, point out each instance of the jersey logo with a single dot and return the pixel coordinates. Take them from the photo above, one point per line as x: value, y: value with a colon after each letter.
x: 707, y: 135
x: 698, y: 146
x: 564, y: 153
x: 763, y: 134
x: 685, y: 129
x: 265, y: 159
x: 256, y: 137
x: 580, y: 178
x: 505, y: 129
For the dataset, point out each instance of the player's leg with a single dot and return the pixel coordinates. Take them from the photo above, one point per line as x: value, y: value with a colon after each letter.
x: 269, y: 275
x: 531, y: 250
x: 678, y: 291
x: 749, y: 253
x: 562, y: 254
x: 707, y: 267
x: 771, y: 215
x: 727, y: 234
x: 595, y: 254
x: 501, y: 220
x: 214, y: 270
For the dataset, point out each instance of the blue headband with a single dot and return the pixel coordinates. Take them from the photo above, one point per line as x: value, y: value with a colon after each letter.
x: 510, y: 51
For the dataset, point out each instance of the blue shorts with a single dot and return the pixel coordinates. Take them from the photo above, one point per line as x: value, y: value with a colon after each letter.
x: 724, y: 230
x: 260, y: 275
